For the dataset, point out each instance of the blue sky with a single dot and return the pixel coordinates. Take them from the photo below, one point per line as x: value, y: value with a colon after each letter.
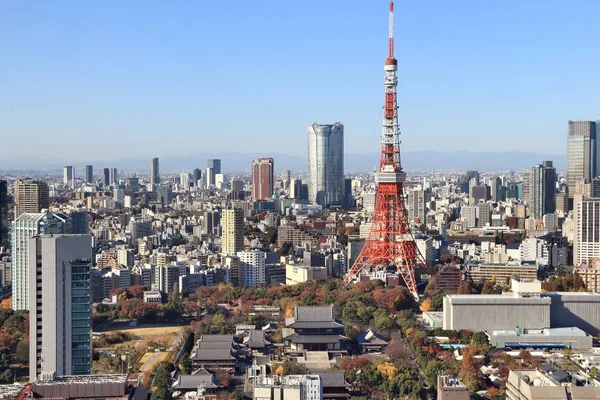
x: 113, y: 79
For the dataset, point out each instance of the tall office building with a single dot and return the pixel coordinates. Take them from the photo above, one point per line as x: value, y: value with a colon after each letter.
x: 232, y: 224
x: 26, y: 226
x: 89, y: 173
x: 296, y: 189
x: 69, y: 176
x: 586, y: 213
x: 326, y: 164
x: 60, y: 320
x: 209, y: 178
x: 196, y: 176
x: 542, y: 183
x: 154, y: 172
x: 106, y: 176
x: 582, y: 153
x: 496, y: 189
x: 164, y: 194
x: 286, y: 177
x: 113, y: 177
x: 3, y: 212
x: 262, y: 179
x: 469, y: 213
x: 184, y: 180
x: 485, y: 215
x: 31, y: 197
x: 416, y: 205
x: 215, y: 164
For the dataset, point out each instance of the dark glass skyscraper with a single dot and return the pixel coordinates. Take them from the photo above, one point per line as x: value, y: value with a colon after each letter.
x: 215, y: 164
x: 542, y: 181
x: 89, y: 173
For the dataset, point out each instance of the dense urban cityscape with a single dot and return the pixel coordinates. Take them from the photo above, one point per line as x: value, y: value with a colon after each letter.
x: 315, y: 284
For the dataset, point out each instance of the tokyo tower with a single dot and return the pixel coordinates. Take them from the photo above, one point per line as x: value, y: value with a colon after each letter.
x: 390, y: 243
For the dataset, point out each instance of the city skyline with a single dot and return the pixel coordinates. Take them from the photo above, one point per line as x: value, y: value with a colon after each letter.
x: 458, y: 81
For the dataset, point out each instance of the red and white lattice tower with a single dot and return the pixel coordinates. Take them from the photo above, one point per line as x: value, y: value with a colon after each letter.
x: 390, y: 243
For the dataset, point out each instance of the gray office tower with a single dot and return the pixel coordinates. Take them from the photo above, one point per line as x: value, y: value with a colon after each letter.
x: 582, y: 153
x: 196, y: 175
x: 154, y: 172
x: 164, y: 194
x: 215, y: 165
x: 89, y: 173
x: 79, y: 224
x: 106, y: 176
x: 326, y: 164
x: 113, y: 176
x: 69, y: 176
x: 542, y: 189
x: 3, y: 212
x: 60, y: 320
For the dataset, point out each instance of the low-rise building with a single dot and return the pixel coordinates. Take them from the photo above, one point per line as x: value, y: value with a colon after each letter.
x: 451, y: 388
x: 151, y: 296
x: 551, y: 338
x: 314, y: 329
x: 532, y: 384
x: 500, y: 272
x: 296, y: 273
x: 215, y: 352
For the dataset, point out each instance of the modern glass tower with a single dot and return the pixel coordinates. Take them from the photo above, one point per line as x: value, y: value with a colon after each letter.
x: 154, y: 172
x: 89, y: 173
x: 60, y: 317
x: 326, y: 164
x: 582, y: 153
x: 542, y: 183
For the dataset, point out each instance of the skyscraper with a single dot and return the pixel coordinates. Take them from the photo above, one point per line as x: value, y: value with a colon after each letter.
x: 252, y: 267
x: 26, y: 226
x: 416, y: 205
x: 286, y: 176
x: 106, y: 176
x: 232, y: 224
x: 60, y: 302
x: 215, y: 164
x: 113, y: 176
x: 31, y: 197
x: 326, y: 164
x: 485, y: 214
x: 197, y: 176
x: 154, y: 172
x: 262, y: 179
x: 69, y: 176
x: 542, y: 182
x: 586, y: 213
x: 581, y: 153
x: 3, y: 212
x: 89, y: 173
x: 184, y: 180
x: 209, y: 178
x: 164, y: 194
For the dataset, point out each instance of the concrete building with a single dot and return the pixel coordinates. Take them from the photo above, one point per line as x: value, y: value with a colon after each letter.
x: 263, y: 179
x: 106, y: 176
x: 469, y: 213
x: 416, y: 206
x: 184, y: 181
x: 531, y: 384
x: 590, y: 273
x: 26, y: 226
x: 215, y: 165
x: 295, y: 273
x: 166, y: 277
x: 292, y: 387
x: 232, y: 225
x: 586, y: 213
x: 542, y: 183
x: 89, y: 174
x: 3, y: 212
x: 140, y: 228
x: 575, y: 309
x: 164, y: 194
x: 60, y: 302
x: 31, y: 197
x: 154, y: 172
x: 448, y: 278
x: 326, y: 164
x: 484, y: 215
x: 501, y: 272
x: 425, y: 247
x: 581, y: 153
x: 252, y: 267
x: 451, y: 388
x: 113, y: 176
x: 551, y: 338
x: 296, y: 236
x: 69, y: 176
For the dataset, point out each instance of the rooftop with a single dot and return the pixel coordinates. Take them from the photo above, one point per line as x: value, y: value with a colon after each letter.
x: 309, y: 313
x: 551, y: 332
x: 84, y: 379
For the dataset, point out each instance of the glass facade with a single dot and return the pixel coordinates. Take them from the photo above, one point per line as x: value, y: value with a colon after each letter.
x: 326, y: 164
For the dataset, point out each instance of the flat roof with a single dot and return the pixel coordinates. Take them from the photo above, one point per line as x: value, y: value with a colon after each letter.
x: 543, y: 332
x: 84, y: 379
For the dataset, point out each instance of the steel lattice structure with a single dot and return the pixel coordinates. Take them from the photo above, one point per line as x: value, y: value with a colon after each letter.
x: 390, y: 242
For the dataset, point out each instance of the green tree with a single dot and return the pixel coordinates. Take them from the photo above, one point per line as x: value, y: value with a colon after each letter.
x: 186, y: 365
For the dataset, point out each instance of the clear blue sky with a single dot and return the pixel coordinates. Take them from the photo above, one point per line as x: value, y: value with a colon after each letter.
x: 140, y: 78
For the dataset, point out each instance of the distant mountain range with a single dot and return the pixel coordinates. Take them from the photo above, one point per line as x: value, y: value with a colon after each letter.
x: 240, y: 162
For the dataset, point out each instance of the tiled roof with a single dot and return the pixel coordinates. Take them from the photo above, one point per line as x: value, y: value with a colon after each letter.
x: 332, y: 378
x: 310, y: 313
x: 295, y: 338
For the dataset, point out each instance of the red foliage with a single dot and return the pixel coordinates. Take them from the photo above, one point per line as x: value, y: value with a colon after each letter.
x: 136, y: 291
x: 349, y: 364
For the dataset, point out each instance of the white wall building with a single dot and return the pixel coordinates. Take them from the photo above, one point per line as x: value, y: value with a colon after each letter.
x: 252, y: 267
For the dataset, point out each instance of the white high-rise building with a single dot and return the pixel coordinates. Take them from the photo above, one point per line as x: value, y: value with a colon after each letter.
x: 416, y: 205
x: 184, y: 181
x: 60, y: 318
x: 586, y: 246
x: 69, y: 176
x: 232, y: 224
x: 469, y: 213
x: 26, y: 226
x: 252, y: 267
x: 326, y: 164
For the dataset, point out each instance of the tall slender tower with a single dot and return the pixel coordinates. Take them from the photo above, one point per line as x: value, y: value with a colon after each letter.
x: 390, y: 243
